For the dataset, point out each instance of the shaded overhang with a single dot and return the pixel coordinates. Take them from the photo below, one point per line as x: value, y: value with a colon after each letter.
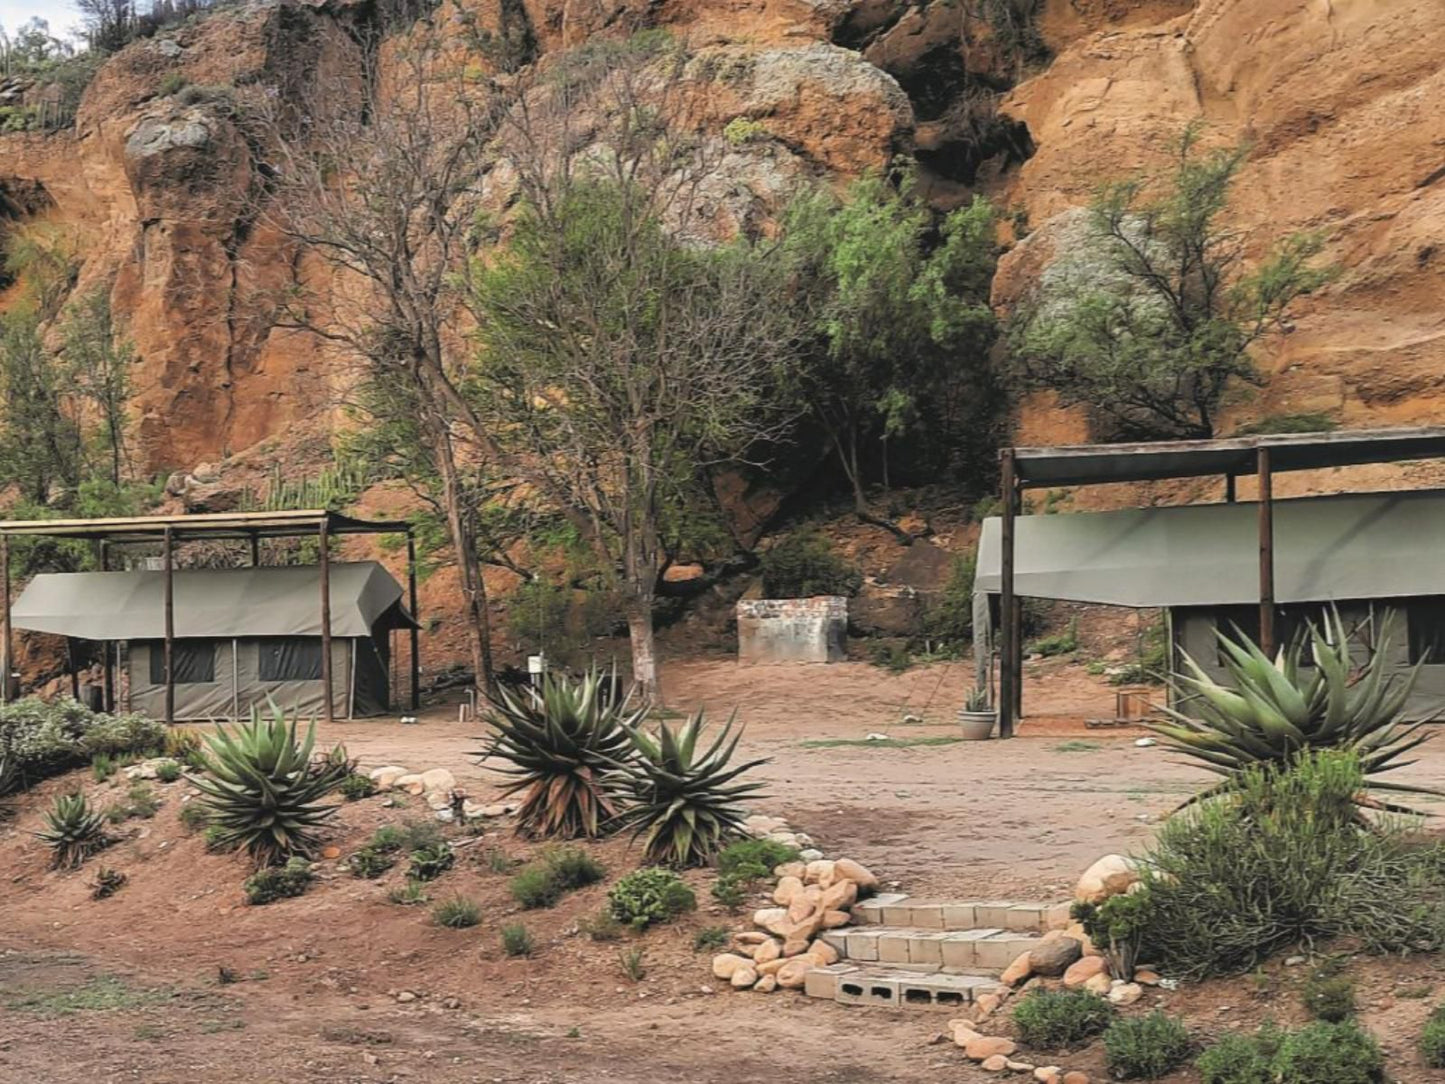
x: 1360, y: 546
x: 207, y: 525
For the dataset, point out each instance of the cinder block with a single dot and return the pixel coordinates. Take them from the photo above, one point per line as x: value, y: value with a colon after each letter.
x: 893, y: 947
x: 862, y: 988
x: 823, y: 981
x: 959, y: 916
x: 860, y: 944
x: 992, y: 913
x: 1024, y: 916
x: 958, y: 948
x: 897, y: 914
x: 926, y: 948
x: 871, y: 909
x: 926, y: 916
x: 997, y: 952
x: 838, y: 939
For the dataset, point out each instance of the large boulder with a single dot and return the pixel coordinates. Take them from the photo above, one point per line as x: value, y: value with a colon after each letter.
x: 1111, y: 875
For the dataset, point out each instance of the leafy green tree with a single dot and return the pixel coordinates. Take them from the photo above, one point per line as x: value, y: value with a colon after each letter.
x: 896, y: 303
x: 98, y: 361
x: 1151, y: 320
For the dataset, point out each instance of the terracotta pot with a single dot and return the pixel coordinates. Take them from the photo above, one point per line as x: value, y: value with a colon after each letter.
x: 976, y: 725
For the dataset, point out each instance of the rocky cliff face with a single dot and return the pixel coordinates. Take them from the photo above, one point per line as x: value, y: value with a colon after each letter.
x: 1340, y: 100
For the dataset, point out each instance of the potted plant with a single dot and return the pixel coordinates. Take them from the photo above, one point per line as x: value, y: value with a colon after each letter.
x: 976, y: 718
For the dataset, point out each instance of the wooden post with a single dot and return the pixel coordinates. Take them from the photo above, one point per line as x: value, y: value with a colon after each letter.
x: 255, y: 550
x: 5, y: 655
x: 1266, y: 553
x: 71, y: 666
x: 168, y: 564
x: 106, y: 647
x: 416, y: 620
x: 1009, y: 651
x: 324, y: 537
x: 1229, y: 489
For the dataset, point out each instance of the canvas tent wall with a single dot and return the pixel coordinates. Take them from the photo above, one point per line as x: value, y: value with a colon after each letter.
x: 1366, y: 553
x: 241, y: 635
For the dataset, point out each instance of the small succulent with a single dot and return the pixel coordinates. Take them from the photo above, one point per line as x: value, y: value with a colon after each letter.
x: 74, y: 831
x: 430, y: 862
x: 107, y: 883
x: 976, y: 700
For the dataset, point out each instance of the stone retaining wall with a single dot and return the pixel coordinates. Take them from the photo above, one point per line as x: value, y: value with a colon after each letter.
x: 793, y: 629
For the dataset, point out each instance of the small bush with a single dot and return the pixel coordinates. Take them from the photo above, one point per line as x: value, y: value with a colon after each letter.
x: 1328, y: 996
x: 1060, y: 1019
x: 218, y: 840
x: 535, y: 887
x: 430, y: 862
x: 171, y: 83
x: 754, y: 859
x: 193, y: 816
x: 498, y: 861
x: 356, y: 787
x: 804, y: 564
x: 1325, y: 1053
x: 168, y: 771
x: 648, y: 896
x: 102, y: 767
x: 1432, y: 1039
x: 278, y: 882
x: 573, y: 867
x: 730, y: 893
x: 711, y: 939
x: 1145, y: 1047
x: 408, y: 892
x: 388, y: 838
x: 600, y: 927
x: 516, y: 941
x: 457, y: 913
x: 948, y: 617
x: 370, y: 863
x: 182, y: 744
x: 1235, y: 1059
x: 743, y: 130
x: 633, y: 963
x: 1063, y: 643
x: 107, y: 883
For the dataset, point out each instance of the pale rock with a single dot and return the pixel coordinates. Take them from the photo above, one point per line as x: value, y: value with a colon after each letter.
x: 1100, y: 984
x: 822, y: 953
x: 1082, y: 970
x: 446, y: 816
x: 438, y: 779
x: 438, y: 799
x: 988, y: 1046
x: 1109, y: 876
x: 751, y: 937
x: 1020, y: 1066
x: 1054, y: 956
x: 1075, y: 1078
x: 767, y: 984
x: 787, y: 839
x: 473, y: 810
x: 412, y: 784
x: 1018, y: 971
x: 794, y: 973
x: 853, y: 871
x: 803, y: 839
x: 1078, y: 933
x: 807, y: 929
x: 725, y: 964
x: 839, y: 896
x: 963, y: 1032
x: 795, y: 946
x: 385, y: 778
x: 768, y: 950
x: 406, y: 997
x: 773, y: 919
x: 811, y: 854
x: 818, y: 871
x: 995, y: 1064
x: 789, y: 888
x: 1147, y: 977
x: 498, y: 809
x: 1048, y: 1074
x: 744, y: 977
x: 833, y: 919
x: 772, y: 967
x: 813, y: 894
x: 987, y: 1004
x: 1126, y: 993
x: 791, y: 869
x: 800, y: 908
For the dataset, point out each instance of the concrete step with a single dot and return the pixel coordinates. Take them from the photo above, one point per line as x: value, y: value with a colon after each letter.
x: 897, y: 988
x: 983, y: 949
x: 895, y: 909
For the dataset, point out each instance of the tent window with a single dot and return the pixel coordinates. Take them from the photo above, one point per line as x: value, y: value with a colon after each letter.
x: 1426, y: 620
x: 194, y: 662
x: 291, y: 658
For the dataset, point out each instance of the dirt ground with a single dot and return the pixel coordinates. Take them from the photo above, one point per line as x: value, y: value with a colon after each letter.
x: 131, y: 988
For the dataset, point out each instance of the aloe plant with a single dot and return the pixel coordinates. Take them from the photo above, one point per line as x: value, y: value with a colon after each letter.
x: 688, y: 803
x: 263, y: 793
x: 73, y: 830
x: 564, y: 744
x: 976, y: 700
x: 1269, y: 711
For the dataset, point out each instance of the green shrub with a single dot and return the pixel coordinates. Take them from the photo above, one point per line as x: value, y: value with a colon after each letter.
x: 602, y: 926
x: 457, y: 913
x: 370, y: 863
x: 170, y: 83
x: 1062, y: 643
x: 389, y: 838
x: 1117, y: 927
x: 648, y: 896
x: 1235, y: 1059
x: 535, y: 887
x: 1325, y: 1053
x: 948, y: 616
x: 73, y: 831
x: 140, y: 802
x: 193, y: 816
x: 168, y: 771
x: 633, y: 963
x: 754, y: 859
x: 430, y: 862
x: 804, y: 564
x: 1285, y: 858
x: 743, y: 130
x: 44, y: 739
x: 1060, y: 1019
x: 1432, y: 1039
x: 1329, y: 996
x: 498, y: 861
x: 730, y: 892
x: 572, y: 867
x: 278, y: 882
x: 408, y: 892
x: 107, y: 883
x: 102, y: 767
x: 217, y: 839
x: 357, y: 786
x: 516, y: 941
x: 891, y: 655
x: 711, y: 939
x: 1145, y: 1047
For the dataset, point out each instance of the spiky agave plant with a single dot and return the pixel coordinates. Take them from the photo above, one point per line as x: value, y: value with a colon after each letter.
x: 263, y: 793
x: 565, y: 744
x: 1270, y: 711
x: 73, y: 830
x: 687, y: 802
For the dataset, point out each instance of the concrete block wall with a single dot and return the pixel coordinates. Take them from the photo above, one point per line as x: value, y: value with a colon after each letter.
x: 793, y: 629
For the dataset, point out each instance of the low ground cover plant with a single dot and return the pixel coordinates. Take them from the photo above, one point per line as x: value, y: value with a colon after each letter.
x: 1061, y: 1019
x: 431, y: 861
x: 273, y: 883
x: 554, y: 873
x: 516, y: 940
x: 742, y: 865
x: 649, y: 896
x: 1319, y: 1053
x: 1329, y: 995
x: 1432, y: 1039
x: 457, y: 913
x: 1146, y: 1047
x: 356, y: 786
x: 44, y: 738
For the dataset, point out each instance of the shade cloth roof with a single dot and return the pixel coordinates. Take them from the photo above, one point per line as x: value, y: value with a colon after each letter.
x: 229, y: 602
x: 1087, y: 464
x: 234, y: 525
x: 1365, y: 546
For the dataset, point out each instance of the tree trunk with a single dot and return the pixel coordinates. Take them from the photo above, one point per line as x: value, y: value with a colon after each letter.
x: 474, y: 588
x: 849, y: 458
x: 641, y: 575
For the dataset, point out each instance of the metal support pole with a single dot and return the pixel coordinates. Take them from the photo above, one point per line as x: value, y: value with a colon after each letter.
x: 1229, y: 489
x: 416, y: 620
x: 324, y: 537
x: 1009, y: 655
x: 168, y: 563
x: 106, y: 646
x: 1266, y: 553
x: 6, y: 658
x: 70, y: 664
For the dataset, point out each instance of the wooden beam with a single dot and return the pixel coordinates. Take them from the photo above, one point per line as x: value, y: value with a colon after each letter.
x: 5, y: 654
x: 106, y: 646
x: 1266, y: 553
x: 416, y: 620
x: 168, y: 563
x: 1009, y: 651
x: 324, y: 537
